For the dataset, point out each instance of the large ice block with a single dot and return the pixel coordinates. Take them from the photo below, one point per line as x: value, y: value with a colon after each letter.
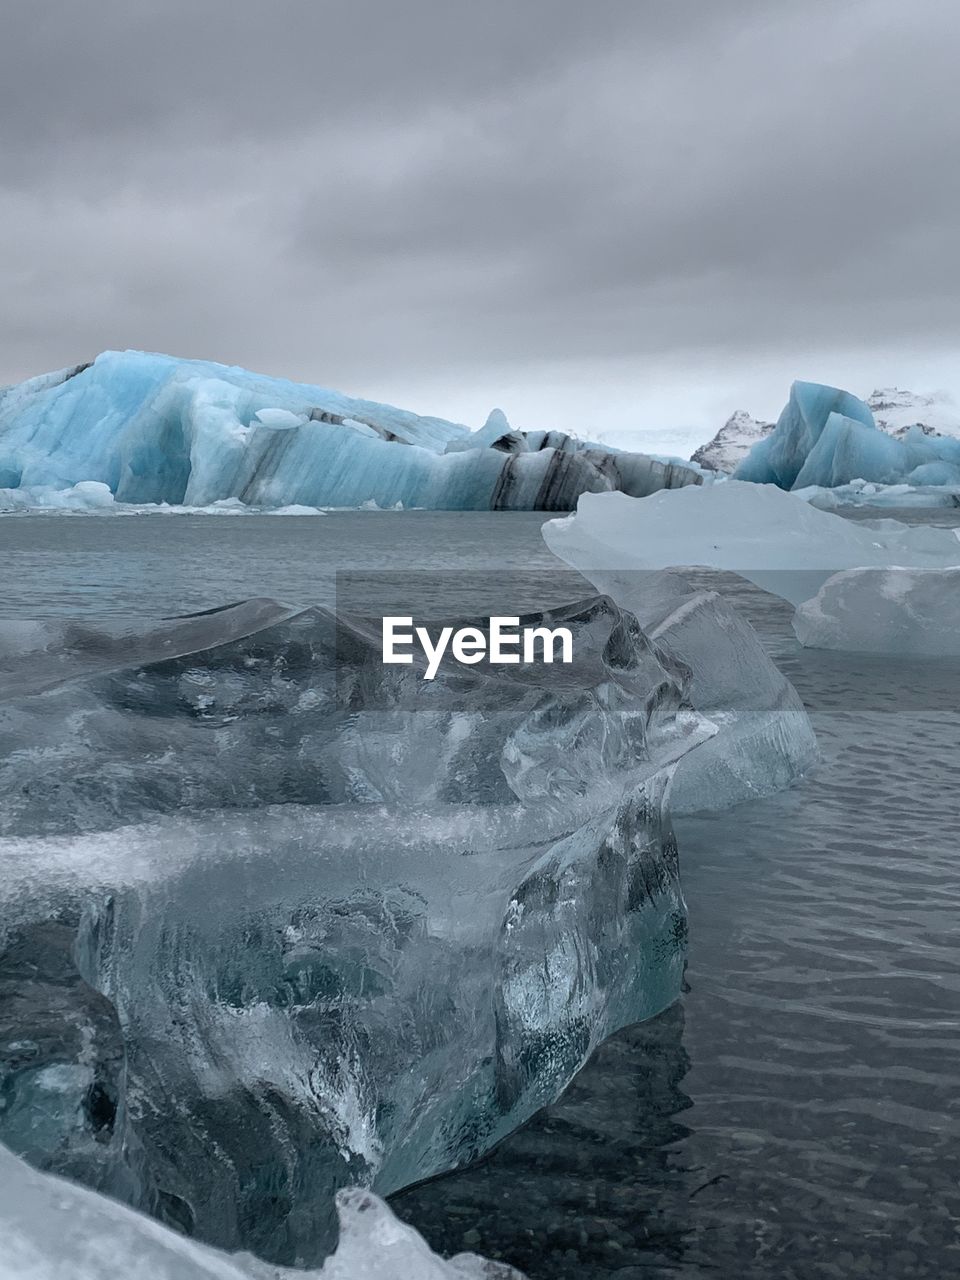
x: 765, y: 535
x: 189, y: 433
x: 879, y: 585
x: 901, y: 612
x: 281, y: 918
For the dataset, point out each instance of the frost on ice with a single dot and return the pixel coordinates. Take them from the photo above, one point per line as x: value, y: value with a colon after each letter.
x: 264, y: 897
x: 150, y: 429
x: 51, y: 1229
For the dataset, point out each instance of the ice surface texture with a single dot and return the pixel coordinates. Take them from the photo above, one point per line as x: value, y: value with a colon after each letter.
x: 909, y: 612
x: 275, y: 918
x: 153, y: 429
x: 785, y: 546
x: 826, y: 437
x: 899, y: 413
x: 51, y: 1229
x: 764, y: 740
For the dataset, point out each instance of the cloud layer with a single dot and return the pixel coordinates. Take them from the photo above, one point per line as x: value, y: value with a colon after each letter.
x: 448, y: 199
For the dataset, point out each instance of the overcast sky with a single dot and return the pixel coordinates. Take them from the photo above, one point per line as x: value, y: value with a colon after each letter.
x: 602, y: 215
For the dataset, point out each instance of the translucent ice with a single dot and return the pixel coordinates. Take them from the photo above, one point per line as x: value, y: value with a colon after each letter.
x: 764, y: 740
x: 51, y: 1229
x: 187, y: 433
x: 264, y: 897
x: 861, y: 493
x: 899, y: 598
x: 905, y: 612
x: 767, y: 536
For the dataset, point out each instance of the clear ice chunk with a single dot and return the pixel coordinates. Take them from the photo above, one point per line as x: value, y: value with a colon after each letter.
x: 900, y: 612
x: 878, y: 585
x: 764, y: 739
x: 326, y: 920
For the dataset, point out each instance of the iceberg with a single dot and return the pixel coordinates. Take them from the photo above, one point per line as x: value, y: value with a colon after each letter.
x: 896, y: 412
x: 895, y: 497
x: 277, y: 919
x: 51, y: 1228
x: 151, y: 429
x: 865, y: 584
x: 769, y: 537
x: 899, y: 612
x: 827, y: 438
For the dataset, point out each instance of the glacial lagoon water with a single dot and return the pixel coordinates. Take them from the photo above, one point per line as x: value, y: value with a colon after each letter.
x: 797, y: 1114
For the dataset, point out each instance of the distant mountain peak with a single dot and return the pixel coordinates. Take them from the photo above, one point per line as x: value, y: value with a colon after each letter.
x: 733, y: 441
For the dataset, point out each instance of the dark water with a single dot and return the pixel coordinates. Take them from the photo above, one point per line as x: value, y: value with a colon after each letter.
x: 798, y: 1113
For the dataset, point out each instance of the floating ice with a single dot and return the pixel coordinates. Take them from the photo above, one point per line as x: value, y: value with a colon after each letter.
x: 895, y: 497
x: 757, y: 531
x: 51, y: 1229
x: 826, y: 437
x: 902, y: 612
x: 764, y: 740
x: 187, y: 433
x: 280, y: 918
x: 785, y: 546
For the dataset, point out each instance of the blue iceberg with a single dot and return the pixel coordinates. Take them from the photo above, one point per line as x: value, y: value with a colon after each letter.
x: 827, y: 438
x: 153, y: 429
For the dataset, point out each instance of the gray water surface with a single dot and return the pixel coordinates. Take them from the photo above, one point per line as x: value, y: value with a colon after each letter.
x: 152, y: 566
x: 798, y: 1113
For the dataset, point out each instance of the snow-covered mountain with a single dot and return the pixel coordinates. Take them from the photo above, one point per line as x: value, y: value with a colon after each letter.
x: 732, y: 442
x: 894, y: 412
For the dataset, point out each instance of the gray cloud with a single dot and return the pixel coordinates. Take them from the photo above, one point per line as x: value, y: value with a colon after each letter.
x: 379, y: 194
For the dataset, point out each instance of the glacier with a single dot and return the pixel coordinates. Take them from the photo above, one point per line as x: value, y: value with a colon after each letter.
x: 876, y: 585
x: 263, y: 896
x: 827, y: 438
x: 152, y: 429
x: 51, y: 1228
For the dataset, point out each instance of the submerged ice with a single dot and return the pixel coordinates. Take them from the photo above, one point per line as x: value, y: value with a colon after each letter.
x: 264, y: 897
x: 151, y: 429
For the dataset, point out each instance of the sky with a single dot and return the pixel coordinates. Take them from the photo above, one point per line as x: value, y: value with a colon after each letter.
x: 624, y: 218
